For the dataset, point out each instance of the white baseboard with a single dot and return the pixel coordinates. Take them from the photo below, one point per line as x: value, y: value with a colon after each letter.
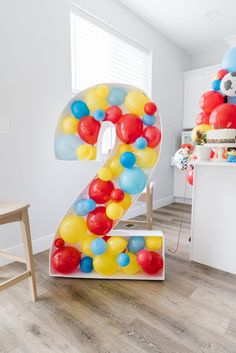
x: 183, y: 200
x: 45, y: 242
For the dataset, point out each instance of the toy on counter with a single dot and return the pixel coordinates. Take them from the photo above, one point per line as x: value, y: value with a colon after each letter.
x: 231, y: 155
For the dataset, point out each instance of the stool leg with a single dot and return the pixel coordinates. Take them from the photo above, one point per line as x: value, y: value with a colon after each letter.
x: 28, y: 252
x: 149, y: 207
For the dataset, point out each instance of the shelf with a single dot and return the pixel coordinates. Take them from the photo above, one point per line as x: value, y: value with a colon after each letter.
x: 220, y: 145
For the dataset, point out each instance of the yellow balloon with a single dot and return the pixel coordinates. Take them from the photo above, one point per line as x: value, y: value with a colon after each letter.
x: 86, y: 243
x: 135, y: 101
x: 126, y: 202
x: 73, y: 229
x: 104, y: 174
x: 202, y: 128
x: 146, y: 158
x: 102, y: 91
x: 133, y: 267
x: 105, y: 264
x: 115, y: 166
x: 69, y: 125
x: 153, y: 243
x: 86, y: 152
x: 116, y: 245
x: 114, y: 211
x: 95, y: 102
x: 124, y: 148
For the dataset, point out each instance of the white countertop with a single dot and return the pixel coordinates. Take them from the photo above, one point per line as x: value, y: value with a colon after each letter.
x: 216, y: 164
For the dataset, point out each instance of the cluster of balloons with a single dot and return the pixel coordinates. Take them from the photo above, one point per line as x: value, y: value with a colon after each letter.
x: 108, y: 255
x: 85, y: 228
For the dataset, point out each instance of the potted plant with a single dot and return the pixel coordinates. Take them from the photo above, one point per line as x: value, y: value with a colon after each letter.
x: 203, y: 152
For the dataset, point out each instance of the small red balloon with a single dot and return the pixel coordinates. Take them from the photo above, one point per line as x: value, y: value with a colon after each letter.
x: 113, y: 114
x: 106, y: 237
x: 117, y: 195
x: 224, y: 116
x: 190, y: 176
x: 221, y: 73
x: 100, y: 190
x: 59, y: 243
x: 153, y: 136
x: 88, y: 129
x: 203, y: 118
x: 156, y: 264
x: 98, y: 222
x: 144, y: 258
x: 129, y: 128
x: 210, y: 100
x: 150, y: 108
x: 66, y: 259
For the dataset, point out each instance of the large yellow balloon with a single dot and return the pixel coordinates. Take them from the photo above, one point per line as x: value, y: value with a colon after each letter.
x: 86, y: 243
x: 73, y: 229
x: 95, y: 102
x: 69, y: 125
x: 115, y: 166
x: 153, y: 243
x: 116, y: 245
x: 86, y: 152
x: 202, y: 128
x: 135, y: 101
x: 133, y: 267
x: 126, y: 202
x: 124, y: 148
x: 102, y: 91
x: 114, y: 211
x: 105, y: 174
x: 105, y: 264
x: 146, y: 158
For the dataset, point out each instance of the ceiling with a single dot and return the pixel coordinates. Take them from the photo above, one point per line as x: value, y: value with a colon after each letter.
x: 196, y: 26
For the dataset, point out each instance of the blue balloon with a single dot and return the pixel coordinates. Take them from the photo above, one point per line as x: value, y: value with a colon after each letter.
x: 79, y: 208
x: 231, y: 100
x: 86, y: 264
x: 136, y: 244
x: 149, y: 119
x: 229, y: 60
x: 141, y: 143
x: 66, y: 145
x: 132, y: 181
x: 123, y: 260
x: 127, y: 159
x: 99, y: 115
x: 98, y: 246
x: 89, y: 205
x: 216, y: 85
x: 116, y: 96
x: 79, y: 109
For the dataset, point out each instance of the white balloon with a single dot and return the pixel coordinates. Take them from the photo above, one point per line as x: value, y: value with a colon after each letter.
x: 228, y: 84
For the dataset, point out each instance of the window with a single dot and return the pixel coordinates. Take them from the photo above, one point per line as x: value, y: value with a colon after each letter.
x: 100, y: 54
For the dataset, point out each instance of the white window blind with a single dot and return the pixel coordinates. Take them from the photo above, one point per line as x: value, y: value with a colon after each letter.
x: 101, y: 54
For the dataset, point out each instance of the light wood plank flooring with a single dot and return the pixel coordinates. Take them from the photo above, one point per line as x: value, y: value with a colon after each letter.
x: 192, y: 311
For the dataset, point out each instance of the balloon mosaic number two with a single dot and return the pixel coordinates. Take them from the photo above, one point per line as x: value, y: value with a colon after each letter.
x: 84, y: 243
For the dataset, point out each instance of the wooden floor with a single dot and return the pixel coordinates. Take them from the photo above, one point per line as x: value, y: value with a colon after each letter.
x: 193, y: 310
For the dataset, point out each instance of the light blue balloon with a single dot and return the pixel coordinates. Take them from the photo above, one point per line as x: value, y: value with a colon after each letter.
x: 123, y: 260
x: 89, y: 205
x: 79, y: 208
x: 136, y: 244
x: 98, y: 246
x: 149, y: 120
x: 141, y: 143
x: 99, y: 114
x: 116, y: 96
x: 127, y: 159
x: 229, y: 60
x: 132, y: 181
x: 231, y: 100
x: 66, y: 145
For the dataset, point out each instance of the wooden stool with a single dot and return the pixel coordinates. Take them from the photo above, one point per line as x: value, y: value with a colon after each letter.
x: 18, y: 212
x: 146, y: 196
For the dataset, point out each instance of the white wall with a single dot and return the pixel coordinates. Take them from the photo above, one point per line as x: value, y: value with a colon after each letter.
x: 35, y: 85
x: 212, y: 57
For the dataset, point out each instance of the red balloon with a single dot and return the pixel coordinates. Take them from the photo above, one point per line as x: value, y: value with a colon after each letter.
x: 100, y: 191
x: 66, y: 259
x: 129, y: 128
x: 117, y: 195
x: 59, y: 243
x: 144, y: 258
x: 106, y: 237
x: 156, y: 264
x: 150, y: 108
x: 221, y: 73
x: 190, y: 176
x: 203, y: 118
x: 224, y: 116
x: 153, y: 136
x: 210, y: 100
x: 113, y: 114
x: 98, y: 222
x: 88, y: 129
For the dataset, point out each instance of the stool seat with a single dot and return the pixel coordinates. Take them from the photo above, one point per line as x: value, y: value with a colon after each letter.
x: 9, y: 208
